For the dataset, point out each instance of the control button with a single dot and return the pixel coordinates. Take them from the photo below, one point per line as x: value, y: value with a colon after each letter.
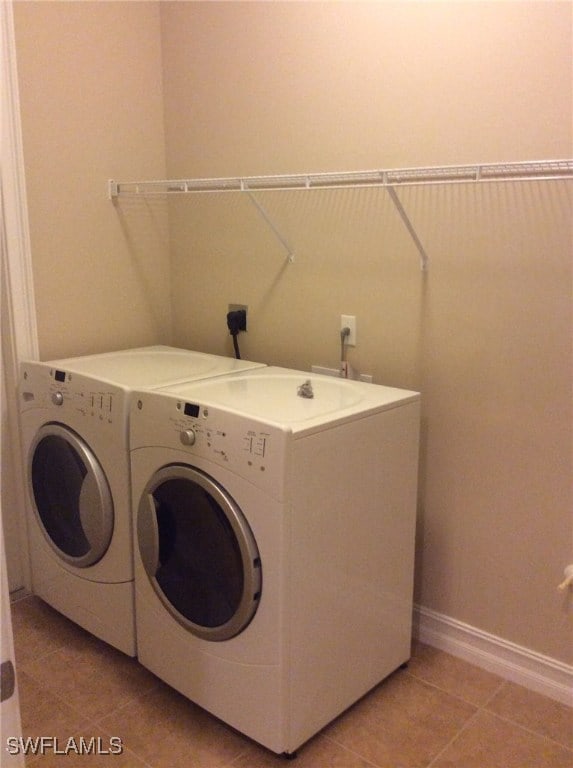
x: 57, y: 398
x: 187, y: 437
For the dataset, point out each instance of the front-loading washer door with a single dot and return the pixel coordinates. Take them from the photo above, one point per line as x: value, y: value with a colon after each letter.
x: 71, y: 496
x: 199, y: 552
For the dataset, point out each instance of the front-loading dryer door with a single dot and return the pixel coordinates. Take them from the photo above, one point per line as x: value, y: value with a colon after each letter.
x: 199, y: 552
x: 71, y: 496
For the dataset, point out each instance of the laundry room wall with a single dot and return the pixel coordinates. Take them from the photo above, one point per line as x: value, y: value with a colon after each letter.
x: 91, y: 102
x: 268, y: 88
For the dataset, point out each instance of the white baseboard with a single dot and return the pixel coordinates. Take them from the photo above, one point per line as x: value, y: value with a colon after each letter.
x: 532, y: 670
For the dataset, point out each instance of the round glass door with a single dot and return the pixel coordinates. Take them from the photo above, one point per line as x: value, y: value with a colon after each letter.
x: 199, y: 552
x: 71, y: 495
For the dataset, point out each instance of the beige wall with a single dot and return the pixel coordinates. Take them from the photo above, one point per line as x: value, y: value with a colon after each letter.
x: 91, y: 101
x: 262, y: 88
x: 254, y: 88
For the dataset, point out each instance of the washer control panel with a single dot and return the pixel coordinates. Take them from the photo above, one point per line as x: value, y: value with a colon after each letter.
x: 212, y: 435
x: 253, y: 449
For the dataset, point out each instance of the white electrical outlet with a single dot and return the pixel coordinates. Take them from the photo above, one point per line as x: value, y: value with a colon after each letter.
x: 349, y: 321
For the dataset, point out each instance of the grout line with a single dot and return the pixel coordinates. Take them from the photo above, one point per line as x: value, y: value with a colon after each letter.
x: 361, y: 757
x: 528, y: 730
x: 21, y: 665
x: 94, y: 724
x: 482, y: 709
x: 445, y: 690
x: 90, y: 720
x: 137, y: 697
x: 464, y: 727
x: 236, y: 757
x: 498, y: 690
x: 469, y: 721
x: 509, y: 720
x: 126, y: 750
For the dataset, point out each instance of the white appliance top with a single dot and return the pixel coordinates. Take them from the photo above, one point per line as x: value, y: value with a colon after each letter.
x: 153, y: 366
x: 289, y: 399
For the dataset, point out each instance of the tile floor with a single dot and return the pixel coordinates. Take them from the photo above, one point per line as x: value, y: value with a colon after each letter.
x: 438, y: 713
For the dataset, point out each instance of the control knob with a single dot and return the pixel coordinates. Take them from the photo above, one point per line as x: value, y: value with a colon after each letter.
x: 57, y: 398
x: 187, y: 436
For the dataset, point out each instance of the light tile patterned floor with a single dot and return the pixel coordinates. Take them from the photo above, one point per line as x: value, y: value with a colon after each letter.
x: 439, y: 713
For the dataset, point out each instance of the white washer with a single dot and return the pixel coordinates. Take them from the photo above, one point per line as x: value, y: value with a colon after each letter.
x: 74, y: 420
x: 275, y: 544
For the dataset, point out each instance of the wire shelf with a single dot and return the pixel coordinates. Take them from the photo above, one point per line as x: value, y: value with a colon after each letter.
x: 453, y: 174
x: 531, y: 170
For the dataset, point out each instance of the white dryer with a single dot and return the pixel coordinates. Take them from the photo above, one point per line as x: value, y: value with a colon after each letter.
x: 275, y: 516
x: 74, y: 421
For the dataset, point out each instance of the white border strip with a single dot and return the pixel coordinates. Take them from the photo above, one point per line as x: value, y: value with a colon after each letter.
x: 19, y: 330
x: 513, y: 662
x: 18, y: 263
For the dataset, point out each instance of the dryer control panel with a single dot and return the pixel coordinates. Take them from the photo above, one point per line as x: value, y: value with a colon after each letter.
x: 250, y: 448
x: 66, y: 395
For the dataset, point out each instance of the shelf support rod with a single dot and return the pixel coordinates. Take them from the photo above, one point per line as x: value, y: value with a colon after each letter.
x: 283, y: 241
x: 410, y: 227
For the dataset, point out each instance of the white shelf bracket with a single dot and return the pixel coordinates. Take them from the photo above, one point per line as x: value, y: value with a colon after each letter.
x: 410, y: 227
x: 280, y: 237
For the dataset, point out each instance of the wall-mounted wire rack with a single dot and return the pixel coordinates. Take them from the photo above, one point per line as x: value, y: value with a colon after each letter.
x: 531, y: 170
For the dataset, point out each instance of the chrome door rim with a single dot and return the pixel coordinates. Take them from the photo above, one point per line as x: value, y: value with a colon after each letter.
x: 100, y: 534
x: 148, y: 540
